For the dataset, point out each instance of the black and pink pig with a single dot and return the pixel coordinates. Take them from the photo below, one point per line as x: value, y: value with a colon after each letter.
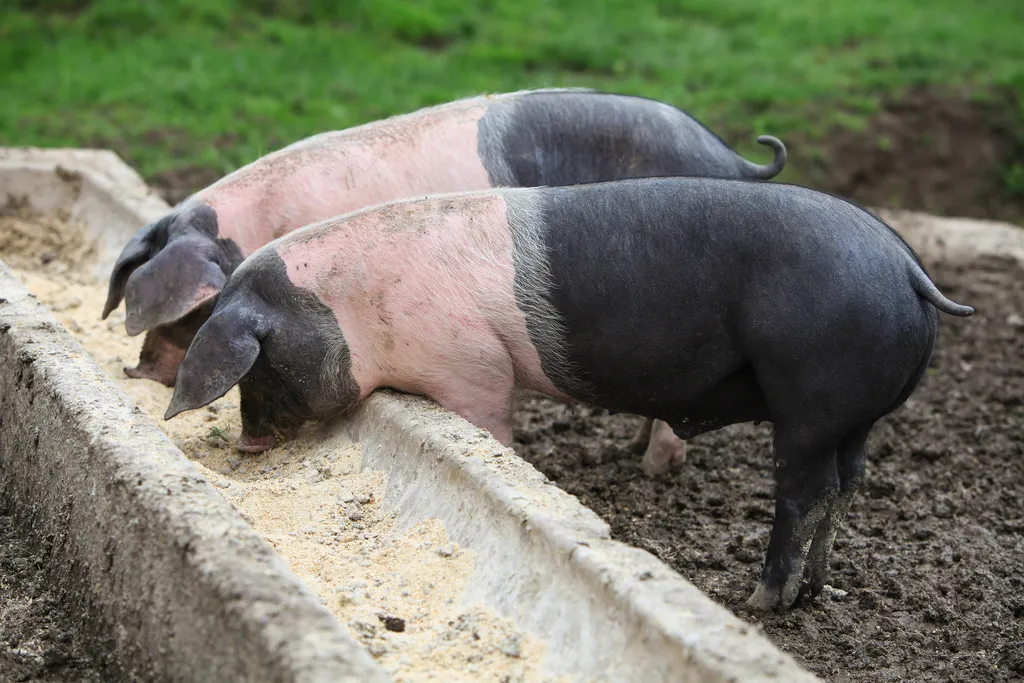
x: 699, y: 302
x: 170, y: 273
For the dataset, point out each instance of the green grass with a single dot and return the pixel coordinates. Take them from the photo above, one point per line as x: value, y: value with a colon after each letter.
x: 216, y: 83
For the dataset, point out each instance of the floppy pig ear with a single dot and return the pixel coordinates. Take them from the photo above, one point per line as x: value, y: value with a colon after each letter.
x: 182, y: 277
x: 134, y: 254
x: 220, y: 355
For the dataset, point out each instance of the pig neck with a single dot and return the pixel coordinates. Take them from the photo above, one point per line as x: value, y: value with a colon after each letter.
x: 427, y: 307
x: 243, y: 216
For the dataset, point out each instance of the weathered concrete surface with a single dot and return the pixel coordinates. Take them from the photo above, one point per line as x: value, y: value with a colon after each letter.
x: 956, y: 240
x: 607, y: 611
x: 92, y: 186
x: 189, y: 591
x: 194, y: 594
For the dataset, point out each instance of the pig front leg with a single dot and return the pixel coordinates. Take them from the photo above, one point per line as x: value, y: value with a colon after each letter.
x: 487, y: 407
x: 662, y: 449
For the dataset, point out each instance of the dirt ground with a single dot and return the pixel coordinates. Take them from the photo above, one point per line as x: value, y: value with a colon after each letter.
x: 945, y: 154
x: 39, y: 638
x: 929, y: 568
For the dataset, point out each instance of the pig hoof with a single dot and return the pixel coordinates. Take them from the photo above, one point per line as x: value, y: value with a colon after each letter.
x: 145, y: 371
x: 763, y: 600
x: 656, y: 467
x: 659, y: 460
x: 766, y: 600
x: 255, y: 444
x: 810, y: 590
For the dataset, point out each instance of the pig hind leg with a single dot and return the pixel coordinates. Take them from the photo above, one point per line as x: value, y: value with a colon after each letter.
x: 850, y: 460
x: 807, y: 484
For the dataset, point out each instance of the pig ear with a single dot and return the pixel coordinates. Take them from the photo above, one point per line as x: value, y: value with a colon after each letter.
x: 220, y: 355
x: 134, y: 254
x: 182, y: 277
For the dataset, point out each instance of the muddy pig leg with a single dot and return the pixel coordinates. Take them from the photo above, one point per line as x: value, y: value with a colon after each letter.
x: 850, y: 468
x: 806, y: 487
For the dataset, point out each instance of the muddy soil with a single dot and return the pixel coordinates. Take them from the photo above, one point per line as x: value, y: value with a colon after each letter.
x: 941, y: 153
x: 928, y: 572
x: 40, y: 641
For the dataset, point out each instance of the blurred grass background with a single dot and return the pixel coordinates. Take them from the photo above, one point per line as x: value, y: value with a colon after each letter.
x: 191, y: 89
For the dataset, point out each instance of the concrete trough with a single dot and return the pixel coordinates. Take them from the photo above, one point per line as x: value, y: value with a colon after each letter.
x: 191, y: 592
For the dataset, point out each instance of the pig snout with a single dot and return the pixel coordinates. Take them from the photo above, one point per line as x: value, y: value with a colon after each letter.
x: 256, y: 444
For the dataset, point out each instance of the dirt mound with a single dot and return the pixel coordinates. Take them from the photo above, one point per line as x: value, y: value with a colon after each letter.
x: 929, y: 567
x: 30, y: 240
x: 942, y: 154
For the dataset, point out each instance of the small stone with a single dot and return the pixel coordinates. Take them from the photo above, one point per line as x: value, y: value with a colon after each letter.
x: 391, y: 623
x: 377, y: 649
x: 213, y: 408
x: 221, y: 483
x: 313, y: 477
x: 447, y: 550
x: 309, y: 529
x: 355, y: 514
x: 362, y: 499
x: 511, y: 647
x: 216, y: 442
x: 834, y: 593
x: 1015, y: 320
x: 345, y: 496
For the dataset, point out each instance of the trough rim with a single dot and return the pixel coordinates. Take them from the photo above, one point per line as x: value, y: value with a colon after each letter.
x: 186, y: 588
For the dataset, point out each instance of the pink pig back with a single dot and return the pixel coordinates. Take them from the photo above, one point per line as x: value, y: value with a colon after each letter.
x: 424, y: 293
x: 426, y: 152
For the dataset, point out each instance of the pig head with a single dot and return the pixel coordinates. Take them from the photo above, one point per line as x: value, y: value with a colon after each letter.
x: 166, y: 274
x: 280, y: 344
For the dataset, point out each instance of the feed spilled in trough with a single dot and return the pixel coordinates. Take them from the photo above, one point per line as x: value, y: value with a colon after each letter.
x: 399, y: 591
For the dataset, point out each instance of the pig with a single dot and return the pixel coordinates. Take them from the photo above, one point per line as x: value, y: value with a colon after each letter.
x: 173, y: 269
x: 699, y: 302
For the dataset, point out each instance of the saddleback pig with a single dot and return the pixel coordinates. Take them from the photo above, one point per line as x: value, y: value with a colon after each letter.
x: 174, y: 266
x: 700, y: 302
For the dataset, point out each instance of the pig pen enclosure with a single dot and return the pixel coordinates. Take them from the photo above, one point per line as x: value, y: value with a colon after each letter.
x: 404, y: 544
